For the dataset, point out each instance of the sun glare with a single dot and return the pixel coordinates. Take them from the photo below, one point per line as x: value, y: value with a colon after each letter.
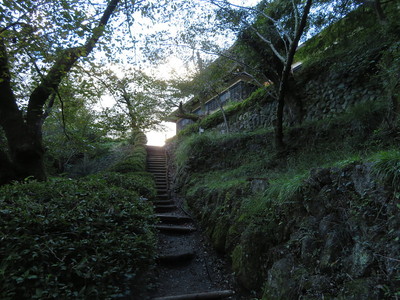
x: 157, y: 138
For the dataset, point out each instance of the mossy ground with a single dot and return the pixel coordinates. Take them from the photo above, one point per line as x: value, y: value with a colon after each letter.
x: 259, y: 228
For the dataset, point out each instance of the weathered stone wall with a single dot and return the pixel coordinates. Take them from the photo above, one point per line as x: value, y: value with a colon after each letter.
x: 337, y: 237
x: 324, y: 95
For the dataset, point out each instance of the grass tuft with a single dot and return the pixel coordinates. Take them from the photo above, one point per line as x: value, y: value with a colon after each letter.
x: 387, y: 167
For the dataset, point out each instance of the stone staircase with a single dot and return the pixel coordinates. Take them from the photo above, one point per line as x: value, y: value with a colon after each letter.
x: 182, y: 271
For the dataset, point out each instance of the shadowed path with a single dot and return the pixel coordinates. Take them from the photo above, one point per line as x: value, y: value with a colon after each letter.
x: 187, y: 268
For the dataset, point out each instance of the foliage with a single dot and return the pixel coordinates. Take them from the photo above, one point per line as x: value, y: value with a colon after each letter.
x: 141, y: 182
x: 255, y: 224
x: 135, y: 161
x: 91, y: 238
x: 42, y: 42
x: 389, y: 75
x: 72, y: 239
x: 71, y: 130
x: 142, y: 101
x: 387, y: 167
x: 134, y: 157
x: 347, y: 44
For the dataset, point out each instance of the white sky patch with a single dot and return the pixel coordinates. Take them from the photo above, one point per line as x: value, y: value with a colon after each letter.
x: 107, y: 101
x: 245, y: 2
x: 172, y: 68
x: 157, y: 138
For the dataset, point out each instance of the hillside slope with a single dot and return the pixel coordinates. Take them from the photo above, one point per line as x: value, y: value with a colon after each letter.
x: 322, y: 219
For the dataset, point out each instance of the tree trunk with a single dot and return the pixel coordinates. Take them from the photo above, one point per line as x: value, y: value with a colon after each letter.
x: 393, y: 111
x: 293, y: 102
x: 24, y: 134
x: 6, y: 168
x: 279, y: 144
x: 24, y: 142
x: 223, y: 113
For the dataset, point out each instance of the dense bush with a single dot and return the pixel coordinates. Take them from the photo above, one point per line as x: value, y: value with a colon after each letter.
x: 67, y: 239
x: 387, y: 167
x: 142, y: 182
x: 135, y: 161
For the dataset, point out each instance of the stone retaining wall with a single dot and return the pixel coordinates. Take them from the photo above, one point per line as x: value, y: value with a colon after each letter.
x: 323, y: 96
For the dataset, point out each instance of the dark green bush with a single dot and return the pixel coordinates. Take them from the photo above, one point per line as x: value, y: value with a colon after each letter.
x: 134, y: 162
x: 140, y: 139
x: 387, y: 167
x: 142, y: 182
x: 67, y: 239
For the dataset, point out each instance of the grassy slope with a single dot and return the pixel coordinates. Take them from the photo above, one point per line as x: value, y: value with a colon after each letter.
x: 263, y: 229
x: 245, y: 222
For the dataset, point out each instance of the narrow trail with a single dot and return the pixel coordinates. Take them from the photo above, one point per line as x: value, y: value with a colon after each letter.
x: 187, y: 267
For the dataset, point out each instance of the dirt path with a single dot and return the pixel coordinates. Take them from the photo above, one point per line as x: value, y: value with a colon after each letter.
x: 187, y: 267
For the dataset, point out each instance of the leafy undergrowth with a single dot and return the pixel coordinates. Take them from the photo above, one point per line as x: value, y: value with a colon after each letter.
x: 86, y: 238
x: 322, y: 220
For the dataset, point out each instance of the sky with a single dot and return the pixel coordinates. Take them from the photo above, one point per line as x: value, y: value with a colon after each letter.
x: 174, y: 65
x: 157, y: 138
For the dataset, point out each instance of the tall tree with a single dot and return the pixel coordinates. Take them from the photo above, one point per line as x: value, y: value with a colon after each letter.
x: 42, y: 41
x: 272, y: 30
x: 268, y: 36
x: 142, y: 99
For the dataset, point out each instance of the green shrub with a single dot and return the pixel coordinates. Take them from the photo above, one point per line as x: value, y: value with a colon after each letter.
x: 387, y: 167
x: 188, y: 130
x: 140, y: 139
x: 141, y: 182
x: 135, y: 161
x: 67, y: 239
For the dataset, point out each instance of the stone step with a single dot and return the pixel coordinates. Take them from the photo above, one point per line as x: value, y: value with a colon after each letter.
x: 161, y: 186
x: 200, y: 296
x: 160, y: 180
x: 173, y: 219
x: 163, y: 196
x: 157, y: 163
x: 157, y: 170
x: 175, y: 229
x: 176, y: 258
x: 159, y: 174
x: 164, y: 208
x: 163, y: 202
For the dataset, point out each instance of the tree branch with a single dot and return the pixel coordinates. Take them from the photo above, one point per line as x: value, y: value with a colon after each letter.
x: 185, y: 115
x: 270, y: 44
x: 62, y: 66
